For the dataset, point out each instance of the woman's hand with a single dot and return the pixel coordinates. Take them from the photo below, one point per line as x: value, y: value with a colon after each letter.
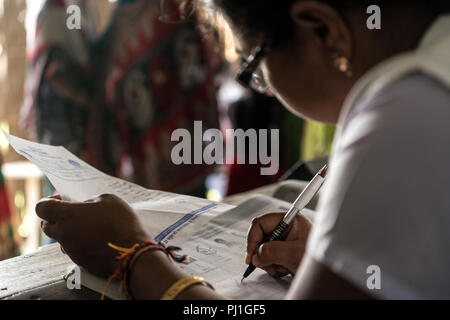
x: 277, y: 258
x: 84, y: 229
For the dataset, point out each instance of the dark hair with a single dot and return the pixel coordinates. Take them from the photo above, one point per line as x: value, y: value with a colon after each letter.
x: 270, y: 19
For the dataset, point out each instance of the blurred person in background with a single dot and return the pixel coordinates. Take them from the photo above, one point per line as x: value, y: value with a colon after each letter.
x: 115, y: 98
x: 59, y: 85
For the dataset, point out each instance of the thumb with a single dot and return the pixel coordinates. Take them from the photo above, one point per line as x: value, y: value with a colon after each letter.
x: 49, y: 209
x: 287, y: 254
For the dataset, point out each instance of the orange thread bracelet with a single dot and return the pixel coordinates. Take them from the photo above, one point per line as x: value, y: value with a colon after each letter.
x: 128, y: 256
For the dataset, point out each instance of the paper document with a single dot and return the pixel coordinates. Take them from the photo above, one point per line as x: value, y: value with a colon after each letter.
x: 218, y: 250
x: 167, y: 216
x: 212, y: 234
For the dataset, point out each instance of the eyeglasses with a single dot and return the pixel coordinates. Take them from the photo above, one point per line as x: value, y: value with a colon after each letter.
x: 250, y: 75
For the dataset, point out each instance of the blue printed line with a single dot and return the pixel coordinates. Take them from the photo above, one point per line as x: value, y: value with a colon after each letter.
x: 182, y: 221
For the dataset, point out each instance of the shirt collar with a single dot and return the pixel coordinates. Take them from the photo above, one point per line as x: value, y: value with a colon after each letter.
x: 438, y: 30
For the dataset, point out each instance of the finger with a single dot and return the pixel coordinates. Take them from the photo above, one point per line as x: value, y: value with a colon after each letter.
x: 52, y: 209
x: 282, y: 253
x: 282, y: 270
x: 47, y: 209
x: 51, y: 230
x: 273, y: 271
x: 276, y: 269
x: 105, y: 197
x: 261, y: 227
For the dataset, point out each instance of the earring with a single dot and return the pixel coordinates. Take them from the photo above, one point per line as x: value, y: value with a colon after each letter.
x: 343, y: 65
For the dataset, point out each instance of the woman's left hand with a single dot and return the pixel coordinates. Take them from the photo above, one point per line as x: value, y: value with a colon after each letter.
x: 84, y: 229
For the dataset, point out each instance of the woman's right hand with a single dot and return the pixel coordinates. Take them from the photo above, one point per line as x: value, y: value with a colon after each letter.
x: 277, y: 258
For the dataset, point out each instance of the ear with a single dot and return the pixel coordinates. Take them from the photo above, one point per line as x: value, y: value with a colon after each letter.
x: 325, y: 23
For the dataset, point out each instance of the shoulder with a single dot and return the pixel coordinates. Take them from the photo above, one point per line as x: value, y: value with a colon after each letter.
x: 414, y: 93
x: 415, y: 88
x: 415, y: 103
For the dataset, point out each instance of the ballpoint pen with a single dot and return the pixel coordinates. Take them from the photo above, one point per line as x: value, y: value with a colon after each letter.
x: 300, y: 203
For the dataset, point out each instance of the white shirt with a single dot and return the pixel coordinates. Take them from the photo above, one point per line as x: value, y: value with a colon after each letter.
x: 386, y: 201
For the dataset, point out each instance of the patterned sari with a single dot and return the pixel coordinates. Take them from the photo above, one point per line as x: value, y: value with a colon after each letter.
x: 114, y: 99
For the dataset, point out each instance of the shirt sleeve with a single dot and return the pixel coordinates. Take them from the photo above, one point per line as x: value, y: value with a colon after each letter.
x: 386, y: 202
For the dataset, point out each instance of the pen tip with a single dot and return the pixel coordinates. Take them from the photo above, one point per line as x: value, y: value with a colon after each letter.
x: 242, y: 280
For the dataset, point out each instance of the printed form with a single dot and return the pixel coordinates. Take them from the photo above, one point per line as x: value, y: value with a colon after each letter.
x: 212, y: 234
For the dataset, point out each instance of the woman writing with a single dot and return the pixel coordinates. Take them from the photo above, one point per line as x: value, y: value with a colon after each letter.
x: 384, y: 203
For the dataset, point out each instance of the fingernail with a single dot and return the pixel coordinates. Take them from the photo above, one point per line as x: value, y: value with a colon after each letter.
x: 43, y: 200
x: 248, y: 259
